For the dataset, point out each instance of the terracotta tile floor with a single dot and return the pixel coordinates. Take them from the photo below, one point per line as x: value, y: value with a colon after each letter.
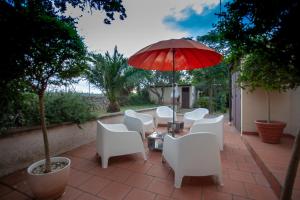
x: 275, y: 159
x: 129, y: 177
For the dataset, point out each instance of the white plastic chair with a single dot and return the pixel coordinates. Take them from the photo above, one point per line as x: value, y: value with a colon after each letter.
x: 163, y: 115
x: 211, y: 125
x: 193, y: 155
x: 138, y: 122
x: 115, y: 140
x: 190, y: 117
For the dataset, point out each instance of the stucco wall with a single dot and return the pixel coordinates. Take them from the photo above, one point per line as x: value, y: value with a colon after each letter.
x: 167, y: 95
x: 22, y: 149
x: 283, y: 108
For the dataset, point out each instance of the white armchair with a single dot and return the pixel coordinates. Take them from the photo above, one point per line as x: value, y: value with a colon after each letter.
x: 190, y: 117
x: 115, y: 139
x: 193, y: 155
x: 163, y: 115
x: 138, y: 122
x: 211, y: 125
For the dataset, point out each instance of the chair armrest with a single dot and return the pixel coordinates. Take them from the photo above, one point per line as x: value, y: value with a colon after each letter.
x: 199, y: 127
x: 116, y: 127
x: 170, y: 150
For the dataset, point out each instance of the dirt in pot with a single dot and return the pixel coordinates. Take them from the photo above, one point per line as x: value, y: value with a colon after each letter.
x: 55, y: 166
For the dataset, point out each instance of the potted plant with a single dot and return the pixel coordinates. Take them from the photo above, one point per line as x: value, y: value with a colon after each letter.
x: 258, y: 71
x: 56, y: 55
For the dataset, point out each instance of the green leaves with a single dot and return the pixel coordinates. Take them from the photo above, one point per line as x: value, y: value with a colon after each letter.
x: 109, y: 73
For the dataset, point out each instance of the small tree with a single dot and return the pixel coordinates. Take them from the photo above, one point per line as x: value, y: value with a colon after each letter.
x: 258, y: 71
x: 109, y: 74
x: 56, y: 55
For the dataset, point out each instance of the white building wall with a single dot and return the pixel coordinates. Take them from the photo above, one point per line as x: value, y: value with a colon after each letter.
x: 283, y: 108
x: 167, y: 95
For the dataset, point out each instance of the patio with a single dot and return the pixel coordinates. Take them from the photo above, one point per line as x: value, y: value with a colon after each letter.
x: 129, y: 177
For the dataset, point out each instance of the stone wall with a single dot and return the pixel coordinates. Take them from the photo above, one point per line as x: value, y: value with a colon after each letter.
x: 22, y: 149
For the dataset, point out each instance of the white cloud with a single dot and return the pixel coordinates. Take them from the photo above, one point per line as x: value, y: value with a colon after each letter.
x: 143, y: 25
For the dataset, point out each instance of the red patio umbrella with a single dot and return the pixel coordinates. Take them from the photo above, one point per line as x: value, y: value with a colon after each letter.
x: 174, y: 55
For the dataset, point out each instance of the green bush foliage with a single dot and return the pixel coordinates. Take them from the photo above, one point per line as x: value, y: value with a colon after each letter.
x: 60, y: 107
x: 141, y: 98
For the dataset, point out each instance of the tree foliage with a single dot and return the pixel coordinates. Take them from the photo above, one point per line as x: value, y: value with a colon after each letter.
x: 213, y: 81
x: 266, y: 30
x: 109, y: 73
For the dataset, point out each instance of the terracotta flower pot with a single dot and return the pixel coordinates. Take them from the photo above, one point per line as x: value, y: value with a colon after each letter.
x: 270, y: 132
x: 50, y: 185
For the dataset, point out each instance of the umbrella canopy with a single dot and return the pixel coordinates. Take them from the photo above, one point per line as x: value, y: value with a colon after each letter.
x: 174, y: 55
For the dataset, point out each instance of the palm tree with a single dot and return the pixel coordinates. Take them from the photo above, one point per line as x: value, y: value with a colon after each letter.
x: 109, y: 73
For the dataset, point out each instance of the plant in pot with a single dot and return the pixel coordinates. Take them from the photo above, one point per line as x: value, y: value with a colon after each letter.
x: 258, y: 71
x: 57, y: 54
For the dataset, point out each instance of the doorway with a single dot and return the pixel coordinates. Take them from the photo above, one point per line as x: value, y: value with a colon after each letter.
x: 185, y: 99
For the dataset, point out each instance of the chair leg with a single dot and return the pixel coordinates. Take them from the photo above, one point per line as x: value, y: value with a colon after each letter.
x: 104, y: 161
x: 178, y: 181
x: 220, y: 179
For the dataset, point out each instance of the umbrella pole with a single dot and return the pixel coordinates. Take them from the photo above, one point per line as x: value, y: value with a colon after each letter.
x: 173, y: 74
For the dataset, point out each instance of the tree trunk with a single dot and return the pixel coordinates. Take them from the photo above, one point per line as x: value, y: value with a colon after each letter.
x: 113, y: 106
x: 292, y: 170
x: 44, y: 130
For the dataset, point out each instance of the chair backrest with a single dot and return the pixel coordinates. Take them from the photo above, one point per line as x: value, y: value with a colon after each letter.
x: 198, y: 153
x: 130, y: 113
x: 164, y: 110
x: 99, y: 136
x: 201, y: 112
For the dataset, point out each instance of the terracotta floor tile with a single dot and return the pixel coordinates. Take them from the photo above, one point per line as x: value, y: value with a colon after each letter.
x: 115, y: 191
x: 160, y: 171
x: 159, y: 197
x: 187, y: 193
x: 137, y: 194
x: 78, y: 177
x: 103, y: 172
x: 260, y: 192
x: 70, y: 193
x: 233, y: 187
x: 124, y: 161
x: 4, y: 190
x: 86, y: 165
x: 249, y: 167
x: 14, y: 178
x: 160, y: 186
x: 239, y: 198
x: 86, y: 196
x: 14, y: 196
x: 260, y: 179
x: 120, y: 175
x: 94, y: 184
x: 139, y: 180
x: 241, y: 176
x: 140, y: 166
x: 23, y: 187
x: 213, y: 195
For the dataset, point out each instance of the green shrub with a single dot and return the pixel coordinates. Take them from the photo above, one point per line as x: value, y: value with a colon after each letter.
x: 202, y: 102
x: 141, y: 98
x: 67, y: 107
x: 60, y: 107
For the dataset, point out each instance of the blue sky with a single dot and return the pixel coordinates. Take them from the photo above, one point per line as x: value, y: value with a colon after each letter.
x: 195, y: 24
x: 147, y: 22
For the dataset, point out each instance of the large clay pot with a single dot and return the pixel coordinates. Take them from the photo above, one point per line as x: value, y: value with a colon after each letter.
x: 270, y: 132
x: 50, y: 185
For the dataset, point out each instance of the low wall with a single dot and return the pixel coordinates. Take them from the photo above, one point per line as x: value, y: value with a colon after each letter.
x: 21, y: 149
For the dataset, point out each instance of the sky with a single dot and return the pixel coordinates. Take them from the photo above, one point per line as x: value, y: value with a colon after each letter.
x: 147, y: 22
